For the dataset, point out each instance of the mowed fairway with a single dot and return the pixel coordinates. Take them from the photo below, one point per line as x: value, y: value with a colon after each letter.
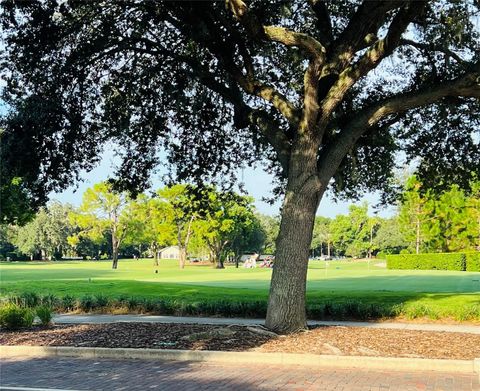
x: 340, y: 281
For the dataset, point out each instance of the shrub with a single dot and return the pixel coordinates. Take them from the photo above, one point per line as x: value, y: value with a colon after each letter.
x: 450, y: 261
x: 471, y: 312
x: 44, y: 313
x: 419, y: 311
x: 86, y: 303
x: 472, y: 261
x: 13, y: 317
x: 101, y: 301
x: 29, y: 299
x: 49, y: 300
x: 381, y: 255
x: 68, y: 303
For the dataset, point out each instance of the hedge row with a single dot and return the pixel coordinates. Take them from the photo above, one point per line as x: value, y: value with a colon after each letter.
x: 472, y: 262
x: 440, y: 261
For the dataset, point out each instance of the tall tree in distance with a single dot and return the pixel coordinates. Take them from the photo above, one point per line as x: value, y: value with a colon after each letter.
x: 225, y: 217
x: 150, y: 221
x: 324, y: 92
x: 46, y: 235
x: 322, y: 235
x: 416, y: 214
x: 102, y: 211
x: 473, y: 212
x: 182, y: 207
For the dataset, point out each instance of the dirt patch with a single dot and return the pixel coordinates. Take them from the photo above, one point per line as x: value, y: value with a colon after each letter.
x: 337, y: 340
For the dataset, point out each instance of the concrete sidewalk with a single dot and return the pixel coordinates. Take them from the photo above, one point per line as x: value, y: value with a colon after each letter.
x: 99, y: 319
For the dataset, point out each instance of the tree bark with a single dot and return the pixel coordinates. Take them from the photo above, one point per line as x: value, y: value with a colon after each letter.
x: 417, y: 236
x: 154, y: 247
x: 114, y: 251
x: 286, y: 304
x: 115, y: 258
x: 182, y: 256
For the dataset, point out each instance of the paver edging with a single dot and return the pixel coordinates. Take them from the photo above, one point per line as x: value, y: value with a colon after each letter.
x: 312, y: 360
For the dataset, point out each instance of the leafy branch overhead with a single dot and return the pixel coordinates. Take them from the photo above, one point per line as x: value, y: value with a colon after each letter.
x: 138, y: 72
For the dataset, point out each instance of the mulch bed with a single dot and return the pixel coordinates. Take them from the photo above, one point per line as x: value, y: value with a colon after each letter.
x: 336, y: 340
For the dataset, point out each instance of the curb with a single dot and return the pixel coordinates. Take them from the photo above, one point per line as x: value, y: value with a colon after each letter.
x: 311, y: 360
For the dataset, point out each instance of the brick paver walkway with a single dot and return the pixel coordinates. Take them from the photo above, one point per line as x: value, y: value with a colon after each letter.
x: 82, y: 374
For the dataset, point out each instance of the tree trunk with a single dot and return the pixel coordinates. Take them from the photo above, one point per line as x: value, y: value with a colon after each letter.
x: 286, y: 305
x: 155, y: 255
x: 417, y: 241
x: 217, y: 256
x: 328, y: 250
x: 115, y: 259
x: 114, y: 252
x: 182, y: 256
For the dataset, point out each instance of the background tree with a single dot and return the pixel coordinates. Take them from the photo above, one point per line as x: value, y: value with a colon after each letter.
x: 473, y: 211
x: 101, y: 211
x: 322, y: 235
x: 183, y: 207
x: 249, y: 237
x: 46, y: 235
x: 388, y: 238
x: 415, y: 215
x: 150, y: 221
x: 226, y: 217
x: 451, y: 216
x: 7, y: 249
x: 270, y: 226
x: 319, y: 90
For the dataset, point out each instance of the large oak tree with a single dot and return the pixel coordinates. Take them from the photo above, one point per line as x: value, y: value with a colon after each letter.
x: 326, y: 92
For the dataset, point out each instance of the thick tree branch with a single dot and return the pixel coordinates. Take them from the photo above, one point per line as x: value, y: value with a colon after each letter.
x: 324, y: 22
x: 330, y: 159
x: 269, y: 94
x: 374, y: 55
x: 273, y: 134
x: 248, y: 83
x: 363, y: 25
x: 292, y: 38
x: 310, y: 97
x: 275, y: 33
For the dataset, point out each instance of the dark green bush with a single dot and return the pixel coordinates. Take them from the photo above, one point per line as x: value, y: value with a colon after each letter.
x: 45, y: 314
x: 472, y: 262
x: 446, y: 261
x: 13, y: 317
x: 49, y: 300
x: 86, y: 303
x: 101, y: 301
x: 68, y: 303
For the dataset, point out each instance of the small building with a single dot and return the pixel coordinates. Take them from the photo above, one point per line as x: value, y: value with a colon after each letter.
x: 170, y: 252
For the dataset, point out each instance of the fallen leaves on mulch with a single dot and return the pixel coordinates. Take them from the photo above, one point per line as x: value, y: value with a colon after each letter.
x: 360, y: 341
x: 336, y: 340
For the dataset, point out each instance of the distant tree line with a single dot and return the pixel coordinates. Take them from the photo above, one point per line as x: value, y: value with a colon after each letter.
x: 424, y: 222
x: 222, y: 226
x: 109, y: 224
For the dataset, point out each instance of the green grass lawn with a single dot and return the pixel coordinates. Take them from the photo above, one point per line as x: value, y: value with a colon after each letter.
x: 443, y: 293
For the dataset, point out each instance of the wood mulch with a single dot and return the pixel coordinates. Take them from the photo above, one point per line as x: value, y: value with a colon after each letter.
x: 337, y: 340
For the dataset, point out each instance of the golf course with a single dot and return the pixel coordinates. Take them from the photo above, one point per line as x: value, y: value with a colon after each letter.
x: 336, y: 289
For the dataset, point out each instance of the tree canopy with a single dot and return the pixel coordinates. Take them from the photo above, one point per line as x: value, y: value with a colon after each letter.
x: 326, y: 93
